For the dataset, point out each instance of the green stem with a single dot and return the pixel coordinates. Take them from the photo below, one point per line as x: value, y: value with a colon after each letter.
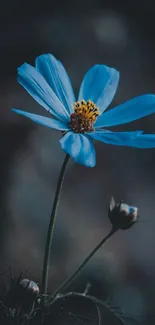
x: 52, y: 224
x: 80, y: 268
x: 97, y: 301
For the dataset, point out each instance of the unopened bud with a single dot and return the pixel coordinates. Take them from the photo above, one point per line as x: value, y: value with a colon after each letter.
x: 122, y: 215
x: 29, y: 287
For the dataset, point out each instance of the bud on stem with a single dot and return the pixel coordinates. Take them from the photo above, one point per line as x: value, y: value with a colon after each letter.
x: 122, y: 215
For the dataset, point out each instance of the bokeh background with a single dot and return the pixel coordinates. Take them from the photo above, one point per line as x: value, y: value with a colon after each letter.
x: 80, y: 33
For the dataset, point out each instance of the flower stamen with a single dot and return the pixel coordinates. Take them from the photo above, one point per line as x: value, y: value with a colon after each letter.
x: 84, y: 116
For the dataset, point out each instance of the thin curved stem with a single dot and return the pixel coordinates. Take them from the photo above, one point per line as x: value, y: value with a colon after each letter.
x: 82, y: 265
x: 51, y: 225
x: 88, y: 297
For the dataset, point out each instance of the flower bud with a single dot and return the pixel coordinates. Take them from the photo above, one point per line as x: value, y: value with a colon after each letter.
x: 29, y: 287
x: 122, y: 215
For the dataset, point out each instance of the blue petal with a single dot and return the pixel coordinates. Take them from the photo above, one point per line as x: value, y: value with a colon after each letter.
x: 115, y: 138
x: 80, y: 148
x: 57, y: 78
x: 132, y: 110
x: 99, y: 85
x: 132, y: 208
x: 143, y: 141
x: 39, y: 89
x: 49, y: 122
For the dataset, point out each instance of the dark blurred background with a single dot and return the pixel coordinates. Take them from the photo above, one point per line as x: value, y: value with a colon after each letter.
x: 80, y: 33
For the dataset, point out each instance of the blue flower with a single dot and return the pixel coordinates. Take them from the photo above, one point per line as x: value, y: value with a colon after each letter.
x: 83, y: 121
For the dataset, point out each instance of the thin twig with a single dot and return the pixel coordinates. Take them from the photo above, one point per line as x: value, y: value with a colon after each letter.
x: 88, y: 286
x: 88, y: 297
x: 71, y: 278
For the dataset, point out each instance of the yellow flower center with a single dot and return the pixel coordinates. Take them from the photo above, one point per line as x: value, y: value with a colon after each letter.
x: 84, y: 116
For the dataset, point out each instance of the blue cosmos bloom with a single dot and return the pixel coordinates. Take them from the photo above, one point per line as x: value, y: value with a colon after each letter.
x: 83, y: 121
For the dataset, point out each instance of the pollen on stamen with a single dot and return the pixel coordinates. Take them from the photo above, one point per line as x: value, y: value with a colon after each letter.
x: 84, y: 116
